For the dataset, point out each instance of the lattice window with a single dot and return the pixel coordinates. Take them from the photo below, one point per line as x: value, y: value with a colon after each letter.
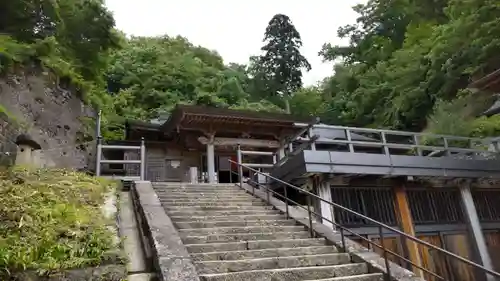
x: 487, y: 204
x: 374, y: 202
x: 429, y: 206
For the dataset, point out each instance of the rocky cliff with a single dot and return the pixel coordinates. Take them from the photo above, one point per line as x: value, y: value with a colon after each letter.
x: 52, y: 113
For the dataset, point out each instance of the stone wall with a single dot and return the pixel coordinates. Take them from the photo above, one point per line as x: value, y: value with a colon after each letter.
x: 53, y: 114
x: 9, y: 129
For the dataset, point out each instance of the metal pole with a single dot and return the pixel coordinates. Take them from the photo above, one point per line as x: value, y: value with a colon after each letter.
x: 98, y: 123
x: 98, y: 157
x: 143, y: 159
x: 386, y: 260
x: 342, y: 237
x: 286, y: 203
x: 240, y: 168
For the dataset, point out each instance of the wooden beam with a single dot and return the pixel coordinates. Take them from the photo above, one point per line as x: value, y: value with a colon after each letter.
x: 406, y: 224
x: 242, y: 142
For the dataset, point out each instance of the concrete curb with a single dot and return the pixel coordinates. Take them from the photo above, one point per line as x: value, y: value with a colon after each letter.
x: 170, y: 257
x: 357, y: 251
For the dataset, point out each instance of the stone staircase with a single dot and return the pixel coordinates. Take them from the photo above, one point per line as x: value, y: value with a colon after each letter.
x: 232, y: 235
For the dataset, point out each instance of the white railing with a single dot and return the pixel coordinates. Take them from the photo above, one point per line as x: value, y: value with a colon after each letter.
x: 141, y: 162
x: 352, y: 139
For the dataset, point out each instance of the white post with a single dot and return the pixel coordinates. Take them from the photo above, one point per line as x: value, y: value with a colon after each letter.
x: 211, y: 160
x: 325, y: 193
x: 239, y: 159
x: 310, y: 135
x: 98, y: 157
x: 475, y: 228
x: 193, y: 173
x: 143, y: 159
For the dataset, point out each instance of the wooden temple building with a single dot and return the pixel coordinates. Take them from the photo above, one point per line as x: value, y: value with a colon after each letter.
x: 446, y: 193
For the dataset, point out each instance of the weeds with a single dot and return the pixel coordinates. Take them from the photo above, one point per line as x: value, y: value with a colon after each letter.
x: 51, y: 220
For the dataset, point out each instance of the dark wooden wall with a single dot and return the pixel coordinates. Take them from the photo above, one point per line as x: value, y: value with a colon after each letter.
x: 431, y: 214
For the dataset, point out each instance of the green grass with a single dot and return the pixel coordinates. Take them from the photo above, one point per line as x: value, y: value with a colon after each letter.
x: 51, y: 220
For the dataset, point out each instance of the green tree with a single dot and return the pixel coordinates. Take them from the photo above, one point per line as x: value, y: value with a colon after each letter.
x: 278, y: 72
x: 407, y: 62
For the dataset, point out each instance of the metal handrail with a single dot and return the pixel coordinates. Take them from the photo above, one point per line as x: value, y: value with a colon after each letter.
x: 380, y: 225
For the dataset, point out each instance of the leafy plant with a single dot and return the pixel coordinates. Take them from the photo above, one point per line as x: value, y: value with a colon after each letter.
x: 52, y: 220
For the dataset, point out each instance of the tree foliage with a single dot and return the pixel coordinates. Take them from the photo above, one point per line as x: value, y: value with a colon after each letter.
x: 153, y: 75
x: 406, y: 65
x: 278, y: 72
x: 408, y: 62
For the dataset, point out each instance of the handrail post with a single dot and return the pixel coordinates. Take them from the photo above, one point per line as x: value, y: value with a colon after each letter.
x: 417, y: 143
x: 143, y: 159
x: 342, y: 237
x: 98, y: 156
x: 446, y: 146
x: 286, y: 203
x: 311, y: 230
x: 349, y: 139
x: 384, y: 143
x: 310, y: 135
x: 384, y: 250
x: 240, y: 168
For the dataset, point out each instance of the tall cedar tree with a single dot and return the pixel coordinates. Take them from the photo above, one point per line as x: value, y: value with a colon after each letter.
x: 281, y: 65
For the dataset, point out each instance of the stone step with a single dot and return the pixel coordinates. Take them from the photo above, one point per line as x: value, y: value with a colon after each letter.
x: 210, y: 224
x: 196, y: 194
x: 245, y: 217
x: 203, y: 193
x: 215, y: 238
x: 254, y: 245
x: 184, y: 197
x: 239, y: 230
x: 202, y: 190
x: 222, y: 213
x: 290, y: 274
x: 212, y: 267
x: 195, y: 191
x: 189, y: 185
x: 364, y: 277
x: 204, y: 202
x: 263, y: 253
x: 217, y: 208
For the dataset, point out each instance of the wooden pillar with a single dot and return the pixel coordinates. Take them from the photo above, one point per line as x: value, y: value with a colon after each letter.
x: 475, y: 229
x: 325, y: 192
x: 211, y: 160
x: 407, y: 226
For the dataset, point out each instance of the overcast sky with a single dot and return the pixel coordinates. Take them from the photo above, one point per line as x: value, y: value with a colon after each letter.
x: 235, y: 29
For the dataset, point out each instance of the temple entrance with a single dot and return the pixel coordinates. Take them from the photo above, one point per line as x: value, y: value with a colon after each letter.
x: 225, y: 171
